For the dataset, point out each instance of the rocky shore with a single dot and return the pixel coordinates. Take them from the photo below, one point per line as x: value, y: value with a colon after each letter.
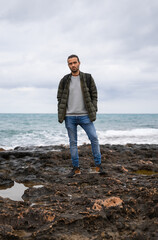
x: 121, y: 205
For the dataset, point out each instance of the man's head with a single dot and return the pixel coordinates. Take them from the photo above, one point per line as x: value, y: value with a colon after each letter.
x: 74, y: 64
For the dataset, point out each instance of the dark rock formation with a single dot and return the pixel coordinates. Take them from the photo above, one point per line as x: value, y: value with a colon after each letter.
x: 122, y: 205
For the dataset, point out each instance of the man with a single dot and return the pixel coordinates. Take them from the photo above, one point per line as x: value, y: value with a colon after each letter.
x: 77, y: 105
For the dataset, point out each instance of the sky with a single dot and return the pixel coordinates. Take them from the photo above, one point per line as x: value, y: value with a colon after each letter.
x: 116, y: 41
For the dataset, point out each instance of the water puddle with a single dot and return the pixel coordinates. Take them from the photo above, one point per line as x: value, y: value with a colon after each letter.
x: 145, y: 172
x: 40, y: 203
x: 16, y: 191
x: 29, y: 185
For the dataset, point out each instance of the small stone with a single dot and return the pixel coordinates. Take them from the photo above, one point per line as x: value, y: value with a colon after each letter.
x: 1, y: 149
x: 103, y: 234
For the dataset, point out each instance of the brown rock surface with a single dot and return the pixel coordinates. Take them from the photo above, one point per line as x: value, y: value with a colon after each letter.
x: 122, y: 205
x: 109, y: 202
x: 1, y: 149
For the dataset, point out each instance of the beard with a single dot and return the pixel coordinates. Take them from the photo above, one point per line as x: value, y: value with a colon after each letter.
x: 74, y: 70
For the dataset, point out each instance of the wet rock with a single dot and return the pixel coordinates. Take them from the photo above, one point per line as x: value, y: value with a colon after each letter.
x: 122, y: 205
x: 5, y: 182
x: 1, y: 149
x: 5, y: 229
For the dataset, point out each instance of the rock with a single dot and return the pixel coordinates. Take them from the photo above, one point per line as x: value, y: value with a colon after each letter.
x: 2, y: 149
x: 5, y: 229
x: 109, y: 202
x: 5, y: 182
x: 121, y: 205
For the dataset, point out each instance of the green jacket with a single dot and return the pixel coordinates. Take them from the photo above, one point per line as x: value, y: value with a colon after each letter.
x: 89, y: 95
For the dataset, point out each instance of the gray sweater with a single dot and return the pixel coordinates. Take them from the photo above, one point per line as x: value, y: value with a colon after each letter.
x: 76, y: 104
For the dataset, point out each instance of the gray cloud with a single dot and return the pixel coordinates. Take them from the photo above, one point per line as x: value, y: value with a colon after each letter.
x: 117, y: 41
x: 24, y: 11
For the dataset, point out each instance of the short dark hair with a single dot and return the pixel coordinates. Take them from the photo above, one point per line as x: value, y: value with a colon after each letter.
x: 72, y: 56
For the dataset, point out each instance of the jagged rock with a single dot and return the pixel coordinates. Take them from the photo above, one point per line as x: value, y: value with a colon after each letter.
x: 121, y: 205
x: 1, y: 149
x: 109, y: 202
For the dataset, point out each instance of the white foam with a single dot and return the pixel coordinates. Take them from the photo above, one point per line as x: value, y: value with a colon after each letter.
x: 139, y: 136
x: 133, y: 132
x: 58, y: 137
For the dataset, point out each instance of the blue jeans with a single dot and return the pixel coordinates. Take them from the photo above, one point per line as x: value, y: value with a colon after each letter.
x: 71, y: 123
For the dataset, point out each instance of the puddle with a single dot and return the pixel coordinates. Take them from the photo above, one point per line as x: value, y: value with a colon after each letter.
x: 70, y: 196
x: 134, y: 179
x: 145, y: 172
x: 29, y: 185
x: 16, y: 191
x: 40, y: 203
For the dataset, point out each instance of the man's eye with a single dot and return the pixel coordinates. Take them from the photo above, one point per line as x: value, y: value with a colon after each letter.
x: 72, y: 63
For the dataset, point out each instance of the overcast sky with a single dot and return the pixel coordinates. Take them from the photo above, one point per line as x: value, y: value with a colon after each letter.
x: 116, y: 40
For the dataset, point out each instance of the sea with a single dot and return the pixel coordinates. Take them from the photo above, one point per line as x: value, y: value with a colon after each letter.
x: 44, y: 130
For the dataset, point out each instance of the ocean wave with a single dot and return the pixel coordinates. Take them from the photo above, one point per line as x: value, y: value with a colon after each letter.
x: 138, y: 135
x: 34, y: 138
x: 58, y: 137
